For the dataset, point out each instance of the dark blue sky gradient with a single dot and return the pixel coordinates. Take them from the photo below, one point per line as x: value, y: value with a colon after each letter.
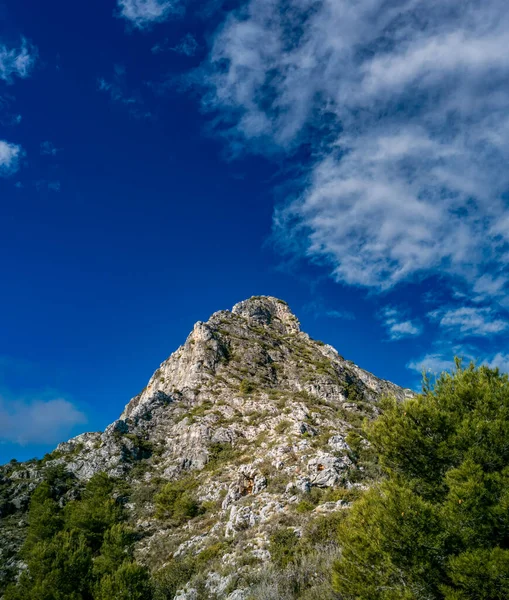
x: 153, y: 228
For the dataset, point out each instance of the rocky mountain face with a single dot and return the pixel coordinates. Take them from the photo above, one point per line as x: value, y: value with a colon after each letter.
x: 257, y: 421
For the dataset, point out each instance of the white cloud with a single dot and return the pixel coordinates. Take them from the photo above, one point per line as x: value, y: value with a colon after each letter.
x: 38, y: 421
x: 468, y: 320
x: 16, y: 62
x: 405, y: 105
x: 442, y: 360
x: 433, y: 363
x: 10, y: 155
x: 397, y: 325
x: 500, y: 360
x: 143, y: 13
x: 489, y: 286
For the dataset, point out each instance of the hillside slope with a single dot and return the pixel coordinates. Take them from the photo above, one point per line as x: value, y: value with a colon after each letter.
x: 252, y: 419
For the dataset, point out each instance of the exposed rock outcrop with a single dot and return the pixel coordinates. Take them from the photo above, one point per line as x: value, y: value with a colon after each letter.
x: 251, y: 410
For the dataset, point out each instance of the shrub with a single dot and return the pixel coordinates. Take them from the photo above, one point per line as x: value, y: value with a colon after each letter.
x: 304, y: 506
x: 323, y: 530
x: 283, y: 546
x: 246, y: 386
x: 145, y: 447
x: 307, y: 578
x: 129, y: 582
x: 210, y: 553
x: 282, y: 426
x: 57, y: 568
x: 172, y: 577
x: 176, y: 501
x: 221, y: 452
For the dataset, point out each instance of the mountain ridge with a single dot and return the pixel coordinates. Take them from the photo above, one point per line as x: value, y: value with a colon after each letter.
x: 253, y: 411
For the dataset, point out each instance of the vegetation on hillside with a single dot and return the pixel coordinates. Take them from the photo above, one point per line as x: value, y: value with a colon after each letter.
x: 79, y: 551
x: 433, y: 525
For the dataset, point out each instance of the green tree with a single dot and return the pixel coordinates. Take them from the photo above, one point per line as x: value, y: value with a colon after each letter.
x: 81, y: 552
x: 45, y: 517
x: 437, y: 526
x: 96, y: 512
x: 58, y: 569
x: 116, y: 548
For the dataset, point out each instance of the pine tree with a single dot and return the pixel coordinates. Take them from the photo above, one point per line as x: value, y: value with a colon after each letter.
x: 437, y: 526
x: 81, y: 552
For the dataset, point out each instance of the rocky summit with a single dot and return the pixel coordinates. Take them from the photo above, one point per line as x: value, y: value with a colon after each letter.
x: 255, y: 424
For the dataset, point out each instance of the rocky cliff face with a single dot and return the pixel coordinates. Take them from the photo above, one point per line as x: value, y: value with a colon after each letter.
x: 253, y: 415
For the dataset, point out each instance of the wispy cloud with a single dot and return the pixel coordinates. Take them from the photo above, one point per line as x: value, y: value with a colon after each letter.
x: 144, y: 13
x: 8, y: 118
x: 188, y: 46
x: 340, y: 314
x: 38, y: 421
x: 10, y: 155
x: 433, y: 363
x: 49, y: 149
x: 490, y: 286
x: 17, y: 62
x: 500, y: 360
x: 318, y: 309
x: 468, y: 320
x: 398, y: 326
x: 50, y: 186
x: 442, y: 359
x: 405, y: 106
x: 118, y: 91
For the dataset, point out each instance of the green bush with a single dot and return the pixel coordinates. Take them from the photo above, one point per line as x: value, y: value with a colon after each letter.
x: 246, y: 386
x: 304, y: 506
x: 283, y: 546
x: 145, y: 447
x: 58, y: 568
x: 176, y: 501
x: 45, y: 517
x: 129, y: 582
x: 115, y: 549
x: 172, y: 577
x: 221, y: 452
x: 210, y: 553
x: 323, y: 530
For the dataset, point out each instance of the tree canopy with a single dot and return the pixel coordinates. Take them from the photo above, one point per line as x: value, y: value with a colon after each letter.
x: 80, y: 552
x: 436, y: 526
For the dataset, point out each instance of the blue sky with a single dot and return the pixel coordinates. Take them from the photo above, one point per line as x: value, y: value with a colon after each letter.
x: 163, y: 159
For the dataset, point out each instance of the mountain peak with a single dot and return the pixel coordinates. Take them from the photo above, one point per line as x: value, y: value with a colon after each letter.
x: 267, y: 310
x: 250, y: 419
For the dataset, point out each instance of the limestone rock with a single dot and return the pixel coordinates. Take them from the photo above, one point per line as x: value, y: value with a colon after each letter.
x: 327, y: 470
x: 249, y: 409
x: 338, y: 443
